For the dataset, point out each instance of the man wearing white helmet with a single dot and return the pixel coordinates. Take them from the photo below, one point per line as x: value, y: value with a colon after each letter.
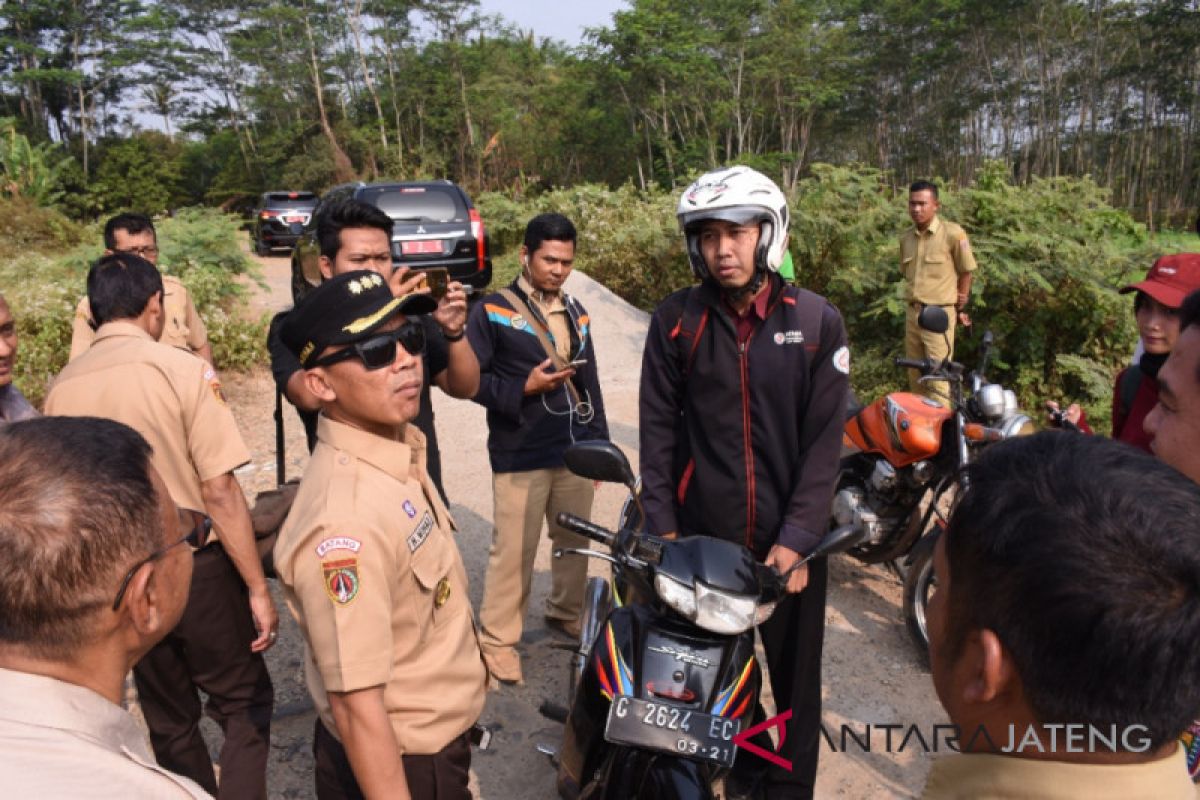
x: 743, y: 394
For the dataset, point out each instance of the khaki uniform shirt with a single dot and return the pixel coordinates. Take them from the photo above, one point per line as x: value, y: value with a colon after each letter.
x: 985, y: 776
x: 59, y: 740
x: 555, y: 314
x: 183, y: 327
x: 170, y: 396
x: 374, y: 578
x: 933, y: 260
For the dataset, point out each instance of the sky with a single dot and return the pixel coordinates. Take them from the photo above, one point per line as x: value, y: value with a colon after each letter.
x: 555, y: 19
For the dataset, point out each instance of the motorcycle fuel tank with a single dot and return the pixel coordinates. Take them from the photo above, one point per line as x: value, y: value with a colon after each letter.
x: 902, y: 427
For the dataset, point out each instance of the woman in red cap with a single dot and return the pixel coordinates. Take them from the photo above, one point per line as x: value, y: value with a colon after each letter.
x: 1156, y: 308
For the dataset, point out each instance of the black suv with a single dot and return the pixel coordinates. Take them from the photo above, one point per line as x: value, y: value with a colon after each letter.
x: 436, y: 225
x: 280, y: 219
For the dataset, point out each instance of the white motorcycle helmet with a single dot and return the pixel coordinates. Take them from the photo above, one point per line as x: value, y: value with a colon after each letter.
x: 739, y: 195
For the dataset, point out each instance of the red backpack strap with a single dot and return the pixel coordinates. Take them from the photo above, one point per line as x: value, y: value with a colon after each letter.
x: 688, y: 330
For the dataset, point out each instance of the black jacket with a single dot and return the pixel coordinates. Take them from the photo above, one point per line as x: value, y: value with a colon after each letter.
x: 746, y: 446
x: 527, y: 433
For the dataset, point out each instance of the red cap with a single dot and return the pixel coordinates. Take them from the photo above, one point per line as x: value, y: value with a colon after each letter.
x: 1171, y: 279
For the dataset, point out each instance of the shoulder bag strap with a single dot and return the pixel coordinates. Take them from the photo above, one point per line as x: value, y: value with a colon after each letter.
x: 543, y: 337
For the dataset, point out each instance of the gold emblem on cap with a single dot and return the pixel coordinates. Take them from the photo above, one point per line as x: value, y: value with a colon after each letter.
x: 306, y: 352
x: 355, y: 287
x: 375, y: 279
x: 362, y: 323
x: 442, y: 594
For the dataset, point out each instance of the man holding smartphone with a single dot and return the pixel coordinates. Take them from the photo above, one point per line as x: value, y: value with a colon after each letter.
x: 353, y: 236
x: 538, y: 381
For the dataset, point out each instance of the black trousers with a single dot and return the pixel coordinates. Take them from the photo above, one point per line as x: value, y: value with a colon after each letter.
x: 210, y: 650
x: 793, y: 639
x: 441, y: 776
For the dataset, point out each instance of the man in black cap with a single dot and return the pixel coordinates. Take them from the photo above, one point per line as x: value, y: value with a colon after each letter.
x: 368, y: 561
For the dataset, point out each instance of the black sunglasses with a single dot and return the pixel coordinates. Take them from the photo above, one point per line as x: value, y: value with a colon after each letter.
x: 379, y: 351
x: 194, y: 537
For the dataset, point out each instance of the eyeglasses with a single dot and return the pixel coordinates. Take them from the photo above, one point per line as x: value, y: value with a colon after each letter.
x: 379, y: 350
x: 147, y: 252
x: 195, y: 537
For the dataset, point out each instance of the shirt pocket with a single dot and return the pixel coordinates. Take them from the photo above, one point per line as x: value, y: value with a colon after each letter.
x: 432, y: 565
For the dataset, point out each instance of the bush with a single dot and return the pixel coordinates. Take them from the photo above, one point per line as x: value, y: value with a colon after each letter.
x: 24, y: 226
x: 628, y: 239
x: 1051, y: 255
x: 42, y: 294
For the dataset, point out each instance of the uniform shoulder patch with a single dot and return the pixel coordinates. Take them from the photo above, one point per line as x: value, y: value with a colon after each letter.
x: 418, y: 536
x: 338, y: 543
x: 214, y: 383
x: 341, y: 580
x: 841, y: 360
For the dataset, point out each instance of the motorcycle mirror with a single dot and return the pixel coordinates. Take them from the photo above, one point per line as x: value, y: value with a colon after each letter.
x: 600, y: 460
x: 839, y: 540
x: 934, y: 319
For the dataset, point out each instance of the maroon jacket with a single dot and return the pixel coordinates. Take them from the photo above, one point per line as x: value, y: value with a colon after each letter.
x: 745, y: 445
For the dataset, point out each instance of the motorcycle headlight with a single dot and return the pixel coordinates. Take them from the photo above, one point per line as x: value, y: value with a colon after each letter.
x: 676, y: 595
x: 725, y: 613
x: 763, y: 612
x: 1017, y: 425
x: 712, y: 609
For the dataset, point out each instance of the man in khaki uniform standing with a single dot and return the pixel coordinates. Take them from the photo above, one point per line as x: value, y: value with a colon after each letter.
x: 368, y: 561
x: 937, y: 262
x: 174, y: 400
x: 539, y: 383
x: 182, y: 327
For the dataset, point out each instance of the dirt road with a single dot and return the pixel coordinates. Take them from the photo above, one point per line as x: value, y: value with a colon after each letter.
x: 872, y: 676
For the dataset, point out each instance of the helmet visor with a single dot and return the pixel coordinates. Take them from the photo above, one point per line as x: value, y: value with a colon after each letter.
x: 738, y: 215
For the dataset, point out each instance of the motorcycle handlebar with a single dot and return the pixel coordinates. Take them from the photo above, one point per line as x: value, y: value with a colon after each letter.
x: 923, y: 364
x: 585, y: 528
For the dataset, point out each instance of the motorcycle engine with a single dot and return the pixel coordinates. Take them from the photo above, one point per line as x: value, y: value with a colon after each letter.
x: 879, y: 498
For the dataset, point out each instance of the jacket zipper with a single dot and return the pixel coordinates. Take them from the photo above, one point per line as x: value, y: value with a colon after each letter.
x: 745, y: 369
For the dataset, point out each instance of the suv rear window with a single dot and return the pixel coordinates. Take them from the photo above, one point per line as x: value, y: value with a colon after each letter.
x: 417, y: 203
x: 290, y: 199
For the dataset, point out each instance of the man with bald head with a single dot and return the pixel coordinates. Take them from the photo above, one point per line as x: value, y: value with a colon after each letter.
x: 96, y: 572
x: 13, y: 405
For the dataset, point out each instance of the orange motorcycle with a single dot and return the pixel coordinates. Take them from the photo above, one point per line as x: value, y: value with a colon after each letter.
x: 902, y: 460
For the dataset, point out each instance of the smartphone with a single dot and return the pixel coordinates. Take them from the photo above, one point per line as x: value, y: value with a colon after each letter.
x: 438, y: 281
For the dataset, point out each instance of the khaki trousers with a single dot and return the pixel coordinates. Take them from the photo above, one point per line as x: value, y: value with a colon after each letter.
x: 920, y: 343
x: 522, y: 501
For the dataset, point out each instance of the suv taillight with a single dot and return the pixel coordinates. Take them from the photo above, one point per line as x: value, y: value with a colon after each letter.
x: 477, y: 232
x: 268, y: 214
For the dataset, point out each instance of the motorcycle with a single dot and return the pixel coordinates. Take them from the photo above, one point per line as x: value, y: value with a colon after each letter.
x: 902, y: 460
x: 664, y: 676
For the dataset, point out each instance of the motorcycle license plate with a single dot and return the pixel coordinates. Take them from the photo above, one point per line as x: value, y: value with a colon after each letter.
x: 671, y: 729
